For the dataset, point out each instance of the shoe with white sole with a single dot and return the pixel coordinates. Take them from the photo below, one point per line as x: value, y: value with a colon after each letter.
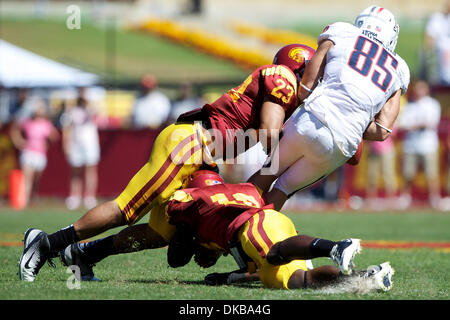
x: 344, y: 252
x: 35, y: 254
x: 73, y: 256
x: 382, y: 274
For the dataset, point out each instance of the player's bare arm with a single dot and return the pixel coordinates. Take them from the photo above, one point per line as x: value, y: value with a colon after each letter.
x: 272, y: 118
x: 381, y: 127
x: 314, y: 70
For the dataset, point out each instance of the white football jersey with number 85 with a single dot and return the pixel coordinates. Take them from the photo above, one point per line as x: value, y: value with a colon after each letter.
x: 360, y: 75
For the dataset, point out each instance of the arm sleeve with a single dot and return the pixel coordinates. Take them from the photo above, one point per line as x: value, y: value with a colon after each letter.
x: 280, y: 86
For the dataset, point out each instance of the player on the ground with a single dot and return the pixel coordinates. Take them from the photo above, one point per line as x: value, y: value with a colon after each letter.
x: 351, y: 91
x: 233, y: 218
x: 262, y: 102
x: 214, y: 218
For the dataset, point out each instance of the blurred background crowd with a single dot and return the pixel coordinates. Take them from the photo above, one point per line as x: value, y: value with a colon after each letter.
x: 85, y: 86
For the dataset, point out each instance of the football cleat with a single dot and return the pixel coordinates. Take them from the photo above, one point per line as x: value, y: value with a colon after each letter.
x: 382, y: 274
x: 73, y: 256
x: 344, y: 252
x: 35, y: 254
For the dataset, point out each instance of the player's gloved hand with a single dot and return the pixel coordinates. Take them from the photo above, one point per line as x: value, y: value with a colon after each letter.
x: 181, y: 247
x: 205, y: 257
x: 219, y: 279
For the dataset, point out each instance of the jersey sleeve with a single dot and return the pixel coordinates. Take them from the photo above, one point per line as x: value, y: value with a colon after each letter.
x: 334, y: 31
x: 280, y: 85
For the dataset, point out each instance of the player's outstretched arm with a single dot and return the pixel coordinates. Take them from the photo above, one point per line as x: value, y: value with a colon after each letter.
x: 314, y: 70
x: 381, y: 127
x: 229, y: 278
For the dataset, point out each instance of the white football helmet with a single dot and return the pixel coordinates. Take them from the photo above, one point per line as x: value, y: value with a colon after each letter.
x: 380, y: 23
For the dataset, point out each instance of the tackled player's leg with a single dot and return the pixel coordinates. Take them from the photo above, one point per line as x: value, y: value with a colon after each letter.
x: 305, y: 154
x: 270, y: 239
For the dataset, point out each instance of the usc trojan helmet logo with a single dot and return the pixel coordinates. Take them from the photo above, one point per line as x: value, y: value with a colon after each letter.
x: 297, y: 54
x: 210, y: 182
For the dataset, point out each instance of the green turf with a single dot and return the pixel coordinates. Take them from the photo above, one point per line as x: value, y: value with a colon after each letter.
x: 127, y: 54
x: 420, y: 273
x: 122, y: 53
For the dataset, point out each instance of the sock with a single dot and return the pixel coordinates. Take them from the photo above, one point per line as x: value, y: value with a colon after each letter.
x: 321, y: 247
x: 62, y: 238
x: 97, y: 250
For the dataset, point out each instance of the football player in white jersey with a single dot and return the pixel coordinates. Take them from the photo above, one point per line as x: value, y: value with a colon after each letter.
x: 351, y: 91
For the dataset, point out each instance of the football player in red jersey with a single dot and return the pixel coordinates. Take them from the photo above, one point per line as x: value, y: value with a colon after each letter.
x: 262, y: 102
x: 233, y: 218
x: 214, y: 218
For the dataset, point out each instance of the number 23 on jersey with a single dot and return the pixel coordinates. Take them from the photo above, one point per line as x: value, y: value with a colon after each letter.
x: 367, y: 60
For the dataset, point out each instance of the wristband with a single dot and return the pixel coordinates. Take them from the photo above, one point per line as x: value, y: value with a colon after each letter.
x: 387, y: 129
x: 305, y: 87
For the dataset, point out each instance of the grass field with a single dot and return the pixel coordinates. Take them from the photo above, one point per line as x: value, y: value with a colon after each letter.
x: 121, y: 54
x: 127, y: 54
x: 421, y: 273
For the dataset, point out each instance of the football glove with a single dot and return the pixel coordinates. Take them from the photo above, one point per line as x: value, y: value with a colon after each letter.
x: 205, y: 257
x: 181, y: 246
x: 220, y: 279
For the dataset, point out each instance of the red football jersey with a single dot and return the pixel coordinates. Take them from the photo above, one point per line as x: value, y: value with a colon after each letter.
x: 240, y: 107
x: 216, y: 212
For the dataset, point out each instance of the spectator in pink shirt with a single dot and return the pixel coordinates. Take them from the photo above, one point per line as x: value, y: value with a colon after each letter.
x: 32, y: 136
x: 381, y: 161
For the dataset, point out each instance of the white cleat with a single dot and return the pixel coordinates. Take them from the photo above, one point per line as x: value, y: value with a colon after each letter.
x: 344, y: 252
x: 35, y: 254
x: 382, y: 274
